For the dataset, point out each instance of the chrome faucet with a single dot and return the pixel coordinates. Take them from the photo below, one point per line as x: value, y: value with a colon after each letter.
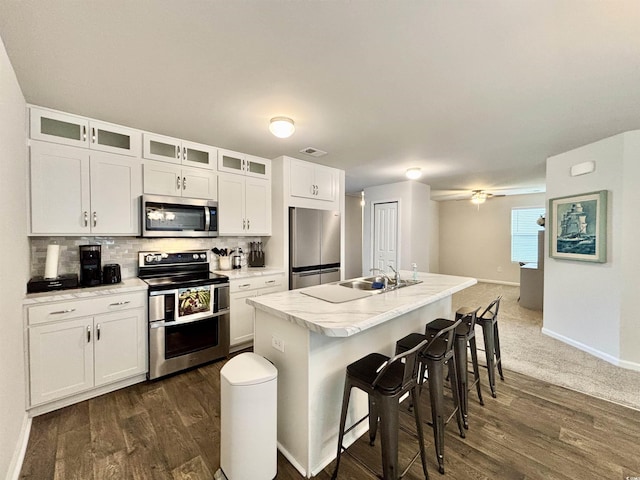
x: 387, y: 280
x: 397, y: 275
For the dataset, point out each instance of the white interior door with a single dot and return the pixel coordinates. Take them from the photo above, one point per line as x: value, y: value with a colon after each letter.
x: 385, y: 235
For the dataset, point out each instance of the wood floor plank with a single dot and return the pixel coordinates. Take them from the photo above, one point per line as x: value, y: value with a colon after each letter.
x: 74, y: 460
x: 194, y: 469
x: 145, y: 461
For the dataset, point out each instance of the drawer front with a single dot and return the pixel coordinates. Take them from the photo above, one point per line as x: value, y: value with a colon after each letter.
x: 271, y: 281
x: 243, y: 285
x: 52, y: 312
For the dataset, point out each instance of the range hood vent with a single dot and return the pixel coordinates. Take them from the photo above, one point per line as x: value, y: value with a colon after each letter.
x: 313, y: 152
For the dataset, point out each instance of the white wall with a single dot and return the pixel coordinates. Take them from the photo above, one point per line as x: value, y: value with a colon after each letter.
x: 414, y: 222
x: 353, y: 237
x: 476, y: 242
x: 592, y: 305
x: 434, y: 237
x: 15, y: 265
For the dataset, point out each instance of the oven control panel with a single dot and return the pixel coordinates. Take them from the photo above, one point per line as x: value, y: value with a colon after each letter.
x: 146, y: 259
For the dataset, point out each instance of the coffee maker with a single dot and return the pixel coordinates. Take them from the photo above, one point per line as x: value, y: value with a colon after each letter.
x: 90, y: 265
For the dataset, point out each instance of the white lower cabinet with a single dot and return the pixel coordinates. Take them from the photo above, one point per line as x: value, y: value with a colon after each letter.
x: 79, y: 345
x: 242, y: 314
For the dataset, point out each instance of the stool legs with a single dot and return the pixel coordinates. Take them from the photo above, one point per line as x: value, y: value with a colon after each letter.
x: 489, y: 351
x: 476, y: 369
x: 389, y: 436
x: 373, y: 420
x: 415, y: 398
x: 496, y: 342
x: 436, y: 394
x: 343, y: 420
x: 460, y: 352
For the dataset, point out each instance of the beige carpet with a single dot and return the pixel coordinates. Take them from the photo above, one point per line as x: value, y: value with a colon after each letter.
x: 526, y: 350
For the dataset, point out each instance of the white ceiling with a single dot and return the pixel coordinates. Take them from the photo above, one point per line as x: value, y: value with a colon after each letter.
x: 476, y: 93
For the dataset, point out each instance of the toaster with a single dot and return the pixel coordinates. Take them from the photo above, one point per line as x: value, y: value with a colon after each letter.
x: 111, y: 273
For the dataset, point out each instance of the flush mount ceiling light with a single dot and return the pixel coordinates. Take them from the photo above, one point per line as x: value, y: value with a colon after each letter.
x: 413, y: 173
x: 478, y: 197
x: 282, y: 127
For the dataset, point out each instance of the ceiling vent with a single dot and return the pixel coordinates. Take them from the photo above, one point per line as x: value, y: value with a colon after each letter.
x: 314, y: 152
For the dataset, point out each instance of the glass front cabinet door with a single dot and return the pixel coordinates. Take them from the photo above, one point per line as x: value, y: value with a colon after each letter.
x: 67, y: 129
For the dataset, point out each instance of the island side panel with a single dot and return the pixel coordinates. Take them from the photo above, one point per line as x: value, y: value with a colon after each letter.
x: 328, y: 359
x: 293, y: 391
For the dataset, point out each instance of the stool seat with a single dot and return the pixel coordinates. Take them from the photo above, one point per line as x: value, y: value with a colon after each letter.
x: 366, y: 368
x: 436, y: 351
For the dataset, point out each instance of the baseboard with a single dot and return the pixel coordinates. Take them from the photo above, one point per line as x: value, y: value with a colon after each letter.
x: 585, y: 348
x: 21, y: 448
x: 498, y: 282
x: 292, y: 460
x: 630, y: 365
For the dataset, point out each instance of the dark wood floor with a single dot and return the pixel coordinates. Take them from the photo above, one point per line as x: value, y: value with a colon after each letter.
x: 169, y: 429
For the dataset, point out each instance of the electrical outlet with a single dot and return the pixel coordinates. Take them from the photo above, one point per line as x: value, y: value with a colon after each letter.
x: 277, y: 343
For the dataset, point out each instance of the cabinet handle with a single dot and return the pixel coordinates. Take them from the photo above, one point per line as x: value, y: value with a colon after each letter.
x: 184, y: 153
x: 60, y: 312
x: 270, y: 281
x: 248, y: 224
x: 244, y: 223
x: 86, y: 218
x: 178, y: 151
x: 84, y: 133
x: 93, y: 135
x: 178, y: 183
x: 98, y: 332
x: 95, y: 218
x: 243, y: 167
x: 119, y: 303
x: 244, y: 285
x: 248, y: 166
x: 88, y: 333
x: 184, y: 183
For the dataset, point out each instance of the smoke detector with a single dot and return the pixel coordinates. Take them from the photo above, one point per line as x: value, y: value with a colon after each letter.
x: 313, y: 152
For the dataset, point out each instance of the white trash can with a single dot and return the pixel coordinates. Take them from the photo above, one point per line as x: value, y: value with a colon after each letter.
x: 248, y: 421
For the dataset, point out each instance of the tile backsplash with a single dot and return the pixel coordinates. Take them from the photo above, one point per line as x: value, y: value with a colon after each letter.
x: 124, y: 250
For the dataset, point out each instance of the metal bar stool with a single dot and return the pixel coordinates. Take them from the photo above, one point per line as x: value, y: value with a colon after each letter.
x: 432, y: 359
x: 385, y: 380
x: 488, y: 320
x: 464, y: 334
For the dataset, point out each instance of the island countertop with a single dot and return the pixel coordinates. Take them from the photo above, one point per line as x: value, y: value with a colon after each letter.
x: 352, y: 317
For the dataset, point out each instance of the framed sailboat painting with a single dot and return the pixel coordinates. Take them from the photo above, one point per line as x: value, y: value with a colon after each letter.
x: 578, y: 227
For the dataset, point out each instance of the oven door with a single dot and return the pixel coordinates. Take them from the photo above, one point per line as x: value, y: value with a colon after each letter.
x: 178, y: 345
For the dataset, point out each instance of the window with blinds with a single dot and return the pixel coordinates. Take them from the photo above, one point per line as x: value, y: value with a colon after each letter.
x: 524, y: 234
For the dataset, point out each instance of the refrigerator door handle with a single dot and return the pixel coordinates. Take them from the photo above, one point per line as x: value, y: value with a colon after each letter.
x: 307, y: 274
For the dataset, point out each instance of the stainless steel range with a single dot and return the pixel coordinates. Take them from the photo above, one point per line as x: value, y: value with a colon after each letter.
x: 188, y: 310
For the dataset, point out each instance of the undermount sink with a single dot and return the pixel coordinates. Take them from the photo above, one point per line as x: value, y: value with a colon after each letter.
x: 361, y: 285
x: 367, y: 284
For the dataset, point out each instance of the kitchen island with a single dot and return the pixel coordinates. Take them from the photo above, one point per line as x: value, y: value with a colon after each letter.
x: 311, y: 341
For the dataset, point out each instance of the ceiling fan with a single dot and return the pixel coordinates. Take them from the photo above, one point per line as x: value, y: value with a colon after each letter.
x: 475, y: 196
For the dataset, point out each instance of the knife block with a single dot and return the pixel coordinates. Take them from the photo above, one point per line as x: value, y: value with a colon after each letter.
x: 256, y: 259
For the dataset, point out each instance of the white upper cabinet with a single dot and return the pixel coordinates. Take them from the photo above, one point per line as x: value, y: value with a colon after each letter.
x: 67, y: 129
x: 173, y: 150
x: 76, y: 191
x: 309, y: 180
x: 245, y: 206
x: 243, y: 164
x: 161, y: 178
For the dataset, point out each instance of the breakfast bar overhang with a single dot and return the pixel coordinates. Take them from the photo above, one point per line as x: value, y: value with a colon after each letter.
x: 311, y: 341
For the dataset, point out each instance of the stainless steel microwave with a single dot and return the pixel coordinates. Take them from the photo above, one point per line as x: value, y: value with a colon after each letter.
x: 164, y: 216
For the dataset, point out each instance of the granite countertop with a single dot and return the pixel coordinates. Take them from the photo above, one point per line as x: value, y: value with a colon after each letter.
x: 249, y: 272
x: 349, y: 318
x: 127, y: 285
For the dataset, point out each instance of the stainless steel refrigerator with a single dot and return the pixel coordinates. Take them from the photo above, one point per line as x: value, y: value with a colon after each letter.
x: 314, y: 247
